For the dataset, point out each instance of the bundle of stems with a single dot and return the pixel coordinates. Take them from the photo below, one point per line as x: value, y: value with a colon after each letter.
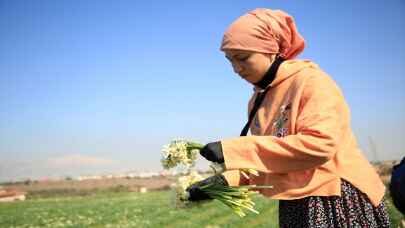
x: 238, y: 198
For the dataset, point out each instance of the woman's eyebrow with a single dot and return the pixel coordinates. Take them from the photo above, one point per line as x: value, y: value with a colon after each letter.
x: 238, y: 56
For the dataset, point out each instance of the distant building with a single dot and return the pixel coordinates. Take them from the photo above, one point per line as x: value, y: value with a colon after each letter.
x: 93, y: 177
x: 148, y: 174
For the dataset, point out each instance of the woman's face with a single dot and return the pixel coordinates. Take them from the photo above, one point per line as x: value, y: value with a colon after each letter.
x: 251, y: 66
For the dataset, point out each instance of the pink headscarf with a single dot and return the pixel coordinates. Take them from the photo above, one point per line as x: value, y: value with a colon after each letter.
x: 265, y: 31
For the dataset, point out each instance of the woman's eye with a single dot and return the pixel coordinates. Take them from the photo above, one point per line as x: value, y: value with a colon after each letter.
x: 243, y: 58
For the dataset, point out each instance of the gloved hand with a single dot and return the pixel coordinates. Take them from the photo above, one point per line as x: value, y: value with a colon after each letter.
x: 213, y: 152
x: 196, y: 194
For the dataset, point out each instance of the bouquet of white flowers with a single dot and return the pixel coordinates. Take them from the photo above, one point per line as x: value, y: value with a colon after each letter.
x: 181, y: 152
x: 182, y: 183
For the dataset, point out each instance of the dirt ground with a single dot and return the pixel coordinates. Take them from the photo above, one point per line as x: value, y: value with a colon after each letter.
x: 132, y: 184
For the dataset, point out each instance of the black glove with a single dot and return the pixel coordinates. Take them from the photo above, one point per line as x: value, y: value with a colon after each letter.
x: 196, y: 194
x: 213, y: 152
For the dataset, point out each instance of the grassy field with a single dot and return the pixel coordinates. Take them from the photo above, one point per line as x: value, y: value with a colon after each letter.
x: 123, y: 209
x: 152, y: 209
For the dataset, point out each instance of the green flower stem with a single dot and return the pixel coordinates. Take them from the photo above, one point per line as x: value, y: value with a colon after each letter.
x: 236, y: 198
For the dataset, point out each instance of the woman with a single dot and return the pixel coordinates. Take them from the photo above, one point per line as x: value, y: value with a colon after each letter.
x: 301, y: 140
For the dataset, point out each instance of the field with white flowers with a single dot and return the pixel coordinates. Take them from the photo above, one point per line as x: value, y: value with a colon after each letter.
x: 152, y: 209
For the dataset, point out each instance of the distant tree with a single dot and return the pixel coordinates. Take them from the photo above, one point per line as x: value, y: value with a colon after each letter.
x: 28, y: 181
x: 68, y: 178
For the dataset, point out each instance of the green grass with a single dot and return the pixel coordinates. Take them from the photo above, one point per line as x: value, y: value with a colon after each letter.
x: 395, y: 215
x: 152, y: 209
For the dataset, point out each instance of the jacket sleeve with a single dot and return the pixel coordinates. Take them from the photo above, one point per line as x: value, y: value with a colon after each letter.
x: 322, y: 121
x: 234, y: 178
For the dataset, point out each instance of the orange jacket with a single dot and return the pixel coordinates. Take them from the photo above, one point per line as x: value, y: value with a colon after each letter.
x: 301, y: 142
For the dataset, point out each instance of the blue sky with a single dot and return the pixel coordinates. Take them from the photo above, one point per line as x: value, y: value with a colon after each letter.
x: 100, y: 86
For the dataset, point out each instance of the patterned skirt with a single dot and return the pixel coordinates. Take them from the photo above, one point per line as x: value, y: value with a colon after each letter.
x: 352, y: 209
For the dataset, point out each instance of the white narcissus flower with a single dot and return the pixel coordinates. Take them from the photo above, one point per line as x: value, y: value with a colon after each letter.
x: 180, y: 194
x: 180, y: 152
x: 184, y: 182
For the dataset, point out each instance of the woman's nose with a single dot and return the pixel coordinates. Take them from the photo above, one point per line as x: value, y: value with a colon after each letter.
x: 236, y: 67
